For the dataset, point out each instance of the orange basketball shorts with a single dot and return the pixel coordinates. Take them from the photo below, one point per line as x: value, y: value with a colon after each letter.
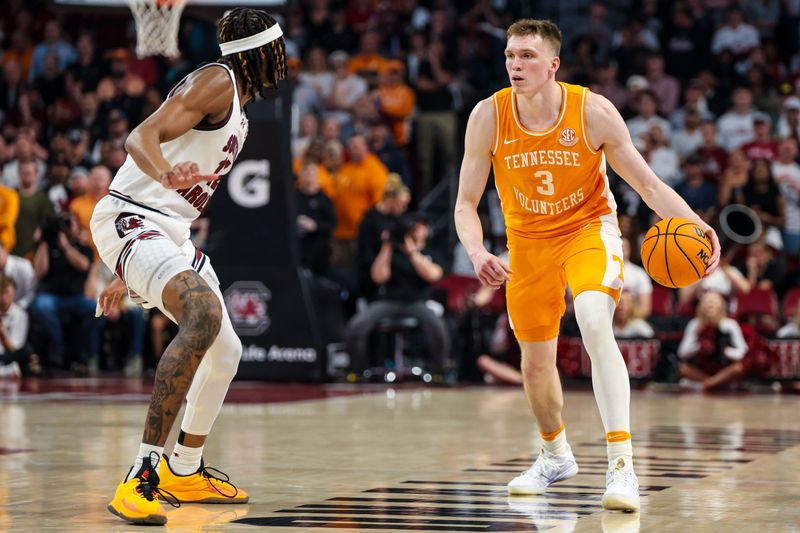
x: 588, y: 259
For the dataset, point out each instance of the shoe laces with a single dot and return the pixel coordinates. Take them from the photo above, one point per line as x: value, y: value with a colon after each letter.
x: 623, y: 474
x: 148, y: 485
x: 205, y: 471
x: 546, y: 466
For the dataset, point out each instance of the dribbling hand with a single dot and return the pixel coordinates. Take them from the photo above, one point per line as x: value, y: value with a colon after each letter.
x: 184, y: 175
x: 491, y: 271
x: 713, y: 262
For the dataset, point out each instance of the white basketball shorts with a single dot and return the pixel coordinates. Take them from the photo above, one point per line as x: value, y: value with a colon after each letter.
x: 145, y: 248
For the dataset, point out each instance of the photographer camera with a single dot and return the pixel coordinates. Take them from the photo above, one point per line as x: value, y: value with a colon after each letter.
x: 405, y: 273
x: 61, y: 263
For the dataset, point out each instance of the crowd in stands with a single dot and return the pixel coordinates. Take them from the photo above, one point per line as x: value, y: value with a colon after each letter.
x: 710, y: 91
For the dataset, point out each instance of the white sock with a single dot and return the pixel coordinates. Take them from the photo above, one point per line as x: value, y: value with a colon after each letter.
x: 185, y: 460
x: 146, y: 450
x: 617, y: 448
x: 556, y: 442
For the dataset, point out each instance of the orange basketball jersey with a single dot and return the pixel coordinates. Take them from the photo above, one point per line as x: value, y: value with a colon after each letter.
x: 552, y: 182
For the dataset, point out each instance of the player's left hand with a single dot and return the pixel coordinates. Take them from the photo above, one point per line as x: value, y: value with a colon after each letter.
x: 184, y: 175
x: 110, y: 297
x: 713, y: 262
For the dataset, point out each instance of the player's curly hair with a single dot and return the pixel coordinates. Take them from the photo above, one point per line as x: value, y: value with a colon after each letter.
x: 251, y: 66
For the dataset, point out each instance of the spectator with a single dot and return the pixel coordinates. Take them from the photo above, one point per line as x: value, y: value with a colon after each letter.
x: 308, y: 131
x: 789, y: 122
x: 58, y: 191
x: 436, y: 122
x: 646, y: 117
x: 762, y: 194
x: 736, y: 126
x: 382, y: 145
x: 787, y: 174
x: 21, y: 271
x: 116, y: 135
x: 764, y: 15
x: 368, y: 61
x: 726, y: 280
x: 9, y: 211
x: 87, y: 70
x: 713, y: 346
x: 662, y: 159
x: 378, y: 220
x: 34, y: 209
x: 688, y: 137
x: 693, y: 100
x: 340, y: 36
x: 20, y: 52
x: 83, y: 206
x: 315, y: 220
x: 665, y: 87
x: 637, y: 283
x: 683, y: 45
x: 13, y: 332
x: 715, y: 158
x: 24, y: 150
x: 316, y: 74
x: 762, y: 146
x: 62, y: 266
x: 735, y: 35
x: 699, y: 194
x: 406, y: 272
x: 53, y: 44
x: 626, y: 324
x: 791, y: 330
x: 354, y: 189
x: 733, y: 180
x: 396, y: 101
x: 763, y: 269
x: 606, y: 84
x: 347, y: 88
x: 14, y: 86
x: 50, y: 84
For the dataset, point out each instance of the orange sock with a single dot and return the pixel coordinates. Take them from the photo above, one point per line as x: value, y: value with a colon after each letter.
x: 618, y: 443
x: 555, y: 442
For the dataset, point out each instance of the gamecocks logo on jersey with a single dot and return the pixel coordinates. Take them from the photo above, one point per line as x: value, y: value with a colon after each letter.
x: 247, y: 305
x: 127, y: 222
x: 568, y: 137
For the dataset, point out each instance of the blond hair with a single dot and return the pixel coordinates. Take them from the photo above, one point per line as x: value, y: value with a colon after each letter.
x: 545, y: 29
x: 394, y: 186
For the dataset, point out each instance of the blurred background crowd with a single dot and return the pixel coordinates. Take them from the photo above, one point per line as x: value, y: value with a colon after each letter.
x: 381, y: 90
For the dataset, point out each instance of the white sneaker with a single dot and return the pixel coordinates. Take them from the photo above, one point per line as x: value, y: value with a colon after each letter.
x: 11, y: 371
x: 622, y: 486
x: 547, y: 469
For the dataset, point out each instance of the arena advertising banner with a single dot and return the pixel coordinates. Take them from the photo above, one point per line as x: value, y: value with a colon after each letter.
x: 252, y: 242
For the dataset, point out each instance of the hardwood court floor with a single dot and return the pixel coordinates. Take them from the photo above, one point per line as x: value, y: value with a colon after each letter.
x: 418, y: 459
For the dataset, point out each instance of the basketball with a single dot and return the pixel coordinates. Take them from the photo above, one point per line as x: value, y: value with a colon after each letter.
x: 675, y: 252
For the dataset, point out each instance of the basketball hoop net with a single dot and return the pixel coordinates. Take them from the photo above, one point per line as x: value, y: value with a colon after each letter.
x: 157, y: 24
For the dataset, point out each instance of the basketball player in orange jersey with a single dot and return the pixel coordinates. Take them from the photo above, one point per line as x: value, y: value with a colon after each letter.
x: 176, y: 158
x: 547, y: 143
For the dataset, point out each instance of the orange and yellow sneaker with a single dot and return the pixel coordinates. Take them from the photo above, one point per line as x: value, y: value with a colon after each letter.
x: 136, y: 500
x: 200, y: 487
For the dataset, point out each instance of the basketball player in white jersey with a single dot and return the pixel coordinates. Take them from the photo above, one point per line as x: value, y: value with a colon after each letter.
x: 176, y: 158
x: 547, y: 143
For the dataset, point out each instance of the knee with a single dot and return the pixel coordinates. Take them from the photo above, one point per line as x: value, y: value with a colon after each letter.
x: 201, y: 318
x: 594, y: 326
x: 534, y: 369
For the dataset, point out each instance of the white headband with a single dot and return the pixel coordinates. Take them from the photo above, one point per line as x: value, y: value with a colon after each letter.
x: 252, y: 41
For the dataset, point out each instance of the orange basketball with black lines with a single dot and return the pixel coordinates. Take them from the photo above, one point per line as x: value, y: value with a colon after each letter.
x: 675, y: 252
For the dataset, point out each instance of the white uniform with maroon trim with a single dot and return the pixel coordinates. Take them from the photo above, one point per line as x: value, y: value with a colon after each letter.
x: 141, y: 229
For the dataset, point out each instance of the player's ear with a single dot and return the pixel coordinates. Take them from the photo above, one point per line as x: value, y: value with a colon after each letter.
x: 555, y: 62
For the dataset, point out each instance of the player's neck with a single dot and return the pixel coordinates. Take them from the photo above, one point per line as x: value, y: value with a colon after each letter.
x: 540, y: 109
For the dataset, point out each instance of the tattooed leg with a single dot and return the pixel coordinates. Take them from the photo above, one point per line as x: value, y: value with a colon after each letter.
x: 198, y: 312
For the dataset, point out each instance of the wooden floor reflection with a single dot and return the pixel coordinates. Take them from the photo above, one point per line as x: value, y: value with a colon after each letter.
x: 415, y: 460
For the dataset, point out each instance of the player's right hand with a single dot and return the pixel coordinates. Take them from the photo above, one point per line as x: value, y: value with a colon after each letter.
x: 184, y: 175
x: 491, y: 271
x: 110, y: 297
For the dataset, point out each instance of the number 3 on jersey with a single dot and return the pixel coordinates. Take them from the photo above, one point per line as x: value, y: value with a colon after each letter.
x: 546, y: 188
